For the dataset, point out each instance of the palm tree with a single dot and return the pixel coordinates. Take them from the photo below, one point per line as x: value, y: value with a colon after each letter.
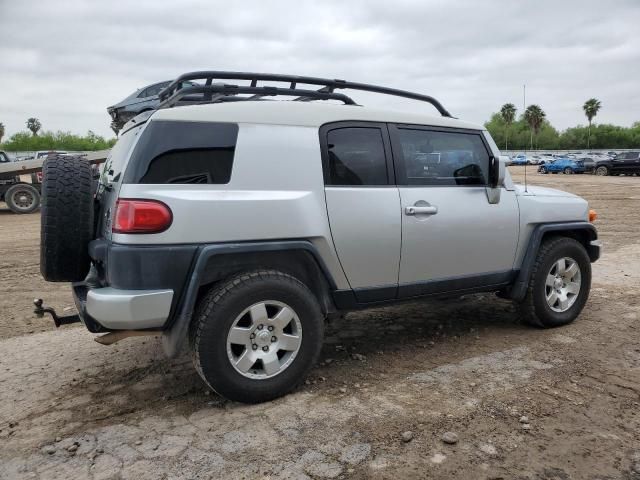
x: 508, y: 114
x: 591, y: 108
x: 34, y: 125
x: 1, y: 131
x: 534, y: 116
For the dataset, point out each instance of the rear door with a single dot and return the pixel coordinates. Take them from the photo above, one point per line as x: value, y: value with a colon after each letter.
x: 363, y: 206
x: 631, y: 163
x: 452, y: 237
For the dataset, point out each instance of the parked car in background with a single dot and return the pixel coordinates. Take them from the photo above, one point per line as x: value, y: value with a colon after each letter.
x: 519, y: 159
x: 546, y: 158
x: 564, y: 165
x: 626, y: 163
x: 142, y: 100
x: 589, y: 163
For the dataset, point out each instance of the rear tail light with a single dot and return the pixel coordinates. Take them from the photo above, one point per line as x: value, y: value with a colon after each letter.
x: 592, y: 216
x: 141, y: 216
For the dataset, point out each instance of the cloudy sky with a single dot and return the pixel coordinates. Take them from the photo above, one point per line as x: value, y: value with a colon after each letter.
x: 65, y: 61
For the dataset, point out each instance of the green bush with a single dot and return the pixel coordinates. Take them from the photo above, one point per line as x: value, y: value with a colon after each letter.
x: 25, y: 141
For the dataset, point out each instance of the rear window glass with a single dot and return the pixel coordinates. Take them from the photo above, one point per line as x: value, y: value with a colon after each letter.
x: 356, y: 157
x: 191, y: 166
x: 183, y: 153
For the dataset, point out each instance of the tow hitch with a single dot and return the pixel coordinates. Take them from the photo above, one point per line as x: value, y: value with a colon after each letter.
x: 64, y: 320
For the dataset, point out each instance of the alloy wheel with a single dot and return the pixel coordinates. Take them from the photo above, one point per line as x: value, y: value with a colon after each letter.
x: 264, y: 339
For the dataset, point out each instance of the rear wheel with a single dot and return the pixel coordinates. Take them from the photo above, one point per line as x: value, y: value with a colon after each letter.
x: 22, y: 198
x: 602, y: 171
x: 543, y: 169
x: 255, y: 336
x: 567, y: 171
x: 559, y: 284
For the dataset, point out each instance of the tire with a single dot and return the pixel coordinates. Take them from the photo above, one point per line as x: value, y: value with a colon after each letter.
x: 601, y: 171
x: 535, y: 309
x: 543, y: 170
x: 567, y: 171
x: 67, y: 218
x: 22, y: 198
x: 228, y: 304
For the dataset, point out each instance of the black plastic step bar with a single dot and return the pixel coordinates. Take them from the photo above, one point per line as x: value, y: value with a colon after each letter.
x: 214, y: 91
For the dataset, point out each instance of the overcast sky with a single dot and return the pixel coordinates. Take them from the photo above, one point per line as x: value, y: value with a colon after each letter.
x: 66, y: 61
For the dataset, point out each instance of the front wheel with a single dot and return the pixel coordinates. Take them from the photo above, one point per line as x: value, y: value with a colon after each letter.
x: 567, y: 171
x: 559, y: 284
x: 602, y: 171
x: 256, y: 335
x: 543, y: 170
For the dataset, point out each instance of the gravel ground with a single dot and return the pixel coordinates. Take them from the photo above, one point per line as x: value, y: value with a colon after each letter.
x: 456, y: 389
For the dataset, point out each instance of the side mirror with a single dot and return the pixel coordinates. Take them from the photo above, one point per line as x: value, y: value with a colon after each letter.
x: 497, y: 172
x: 497, y: 168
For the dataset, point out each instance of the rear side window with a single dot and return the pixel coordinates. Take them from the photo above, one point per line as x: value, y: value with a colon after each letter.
x: 191, y: 166
x: 433, y: 157
x: 356, y: 157
x: 183, y: 153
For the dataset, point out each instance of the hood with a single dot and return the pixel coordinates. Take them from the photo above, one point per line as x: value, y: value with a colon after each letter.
x: 542, y: 191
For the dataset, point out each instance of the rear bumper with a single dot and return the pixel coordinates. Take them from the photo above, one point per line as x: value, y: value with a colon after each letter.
x: 129, y: 309
x: 113, y: 309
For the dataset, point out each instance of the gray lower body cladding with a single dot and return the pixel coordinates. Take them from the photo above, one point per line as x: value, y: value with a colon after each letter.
x: 121, y: 270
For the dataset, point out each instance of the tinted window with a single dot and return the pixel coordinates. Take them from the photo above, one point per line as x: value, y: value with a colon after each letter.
x: 183, y: 152
x: 443, y: 158
x: 153, y: 90
x: 191, y: 166
x: 356, y: 156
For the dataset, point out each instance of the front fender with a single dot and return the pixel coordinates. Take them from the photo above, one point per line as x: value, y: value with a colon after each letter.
x: 584, y: 232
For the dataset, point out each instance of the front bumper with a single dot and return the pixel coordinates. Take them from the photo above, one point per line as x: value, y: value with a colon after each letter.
x: 595, y: 247
x: 110, y: 308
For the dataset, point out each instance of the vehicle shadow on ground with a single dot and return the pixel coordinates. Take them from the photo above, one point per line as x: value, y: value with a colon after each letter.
x: 419, y: 335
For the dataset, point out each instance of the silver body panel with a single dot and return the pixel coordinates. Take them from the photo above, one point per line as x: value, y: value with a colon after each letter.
x: 467, y: 235
x: 129, y: 309
x: 365, y: 224
x: 363, y: 234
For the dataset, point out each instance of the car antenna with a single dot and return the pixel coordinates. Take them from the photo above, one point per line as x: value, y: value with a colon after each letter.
x: 524, y: 108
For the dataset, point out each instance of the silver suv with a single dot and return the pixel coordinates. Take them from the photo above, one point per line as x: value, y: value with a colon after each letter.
x: 241, y: 223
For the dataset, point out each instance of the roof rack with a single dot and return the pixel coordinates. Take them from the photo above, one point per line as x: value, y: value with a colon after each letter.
x: 177, y: 93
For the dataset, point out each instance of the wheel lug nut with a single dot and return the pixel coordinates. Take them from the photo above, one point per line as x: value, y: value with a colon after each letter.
x: 265, y: 348
x: 254, y: 346
x: 252, y: 336
x: 260, y: 327
x: 274, y: 339
x: 271, y: 328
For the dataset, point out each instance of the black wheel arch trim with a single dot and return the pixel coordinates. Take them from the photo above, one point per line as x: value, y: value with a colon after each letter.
x: 519, y: 288
x: 174, y: 337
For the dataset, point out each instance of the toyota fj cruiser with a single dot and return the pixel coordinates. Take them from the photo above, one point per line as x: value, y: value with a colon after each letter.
x: 240, y: 224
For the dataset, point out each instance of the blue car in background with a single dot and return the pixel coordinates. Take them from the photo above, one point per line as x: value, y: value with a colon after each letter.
x: 564, y: 165
x: 519, y: 160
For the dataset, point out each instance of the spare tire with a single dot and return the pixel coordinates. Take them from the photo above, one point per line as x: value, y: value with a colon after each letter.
x: 66, y: 218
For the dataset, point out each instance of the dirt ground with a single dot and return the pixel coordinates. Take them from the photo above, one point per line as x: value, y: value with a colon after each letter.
x: 524, y: 403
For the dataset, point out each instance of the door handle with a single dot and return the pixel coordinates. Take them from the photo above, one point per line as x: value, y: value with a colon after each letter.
x: 414, y: 210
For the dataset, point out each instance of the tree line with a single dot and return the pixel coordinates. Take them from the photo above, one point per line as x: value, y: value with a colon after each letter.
x: 533, y: 131
x: 37, y: 140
